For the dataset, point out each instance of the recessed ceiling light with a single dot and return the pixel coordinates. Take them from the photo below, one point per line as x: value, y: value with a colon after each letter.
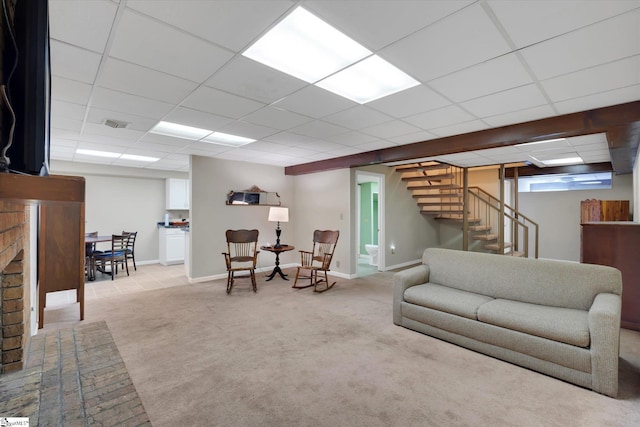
x: 97, y: 153
x: 563, y: 162
x: 304, y: 46
x: 227, y: 139
x: 368, y: 80
x: 137, y: 158
x: 541, y: 142
x: 180, y: 131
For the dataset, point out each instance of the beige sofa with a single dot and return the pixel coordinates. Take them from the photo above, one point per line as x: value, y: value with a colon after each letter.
x: 555, y: 317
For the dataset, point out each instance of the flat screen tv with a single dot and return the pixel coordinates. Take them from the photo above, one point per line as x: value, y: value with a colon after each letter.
x: 29, y: 87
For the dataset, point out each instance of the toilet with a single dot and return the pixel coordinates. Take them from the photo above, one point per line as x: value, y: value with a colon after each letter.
x: 372, y: 250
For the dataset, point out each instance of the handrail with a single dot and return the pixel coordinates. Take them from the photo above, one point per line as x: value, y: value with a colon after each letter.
x: 515, y: 216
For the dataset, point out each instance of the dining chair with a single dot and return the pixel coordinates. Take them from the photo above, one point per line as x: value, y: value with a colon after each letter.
x: 241, y: 255
x: 89, y: 252
x: 116, y: 256
x: 318, y: 259
x: 131, y: 246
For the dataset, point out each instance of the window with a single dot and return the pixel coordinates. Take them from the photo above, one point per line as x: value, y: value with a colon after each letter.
x: 565, y: 182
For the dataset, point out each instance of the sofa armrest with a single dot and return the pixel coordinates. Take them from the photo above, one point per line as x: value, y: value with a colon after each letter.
x: 405, y: 279
x: 604, y: 327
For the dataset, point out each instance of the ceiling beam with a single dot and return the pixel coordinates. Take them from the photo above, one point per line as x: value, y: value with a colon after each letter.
x: 533, y: 170
x: 620, y: 119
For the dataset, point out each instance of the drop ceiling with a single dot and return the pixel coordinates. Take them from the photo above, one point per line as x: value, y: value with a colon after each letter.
x: 481, y: 64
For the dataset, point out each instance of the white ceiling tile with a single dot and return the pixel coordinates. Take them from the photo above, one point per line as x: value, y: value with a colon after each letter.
x: 516, y: 99
x: 390, y: 129
x: 314, y: 102
x: 376, y: 145
x: 470, y: 38
x: 146, y: 42
x: 82, y: 23
x: 520, y: 116
x: 118, y: 101
x: 70, y: 90
x: 597, y: 44
x: 232, y: 24
x: 190, y: 117
x: 69, y: 110
x: 290, y: 139
x: 276, y: 118
x: 271, y: 147
x: 150, y: 147
x: 155, y: 138
x: 137, y: 80
x: 612, y: 97
x: 439, y: 118
x: 378, y: 23
x: 220, y: 103
x: 357, y: 118
x: 522, y: 19
x: 614, y: 75
x: 73, y: 63
x: 492, y: 76
x: 409, y: 102
x: 66, y: 123
x: 248, y: 130
x: 352, y: 138
x: 459, y: 128
x: 413, y: 137
x: 123, y: 136
x: 319, y: 129
x: 253, y: 80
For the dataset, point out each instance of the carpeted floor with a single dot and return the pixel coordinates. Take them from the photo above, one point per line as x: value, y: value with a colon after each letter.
x: 285, y: 357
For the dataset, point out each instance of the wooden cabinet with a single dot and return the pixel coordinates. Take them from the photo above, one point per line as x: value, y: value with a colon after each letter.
x: 177, y: 194
x: 616, y: 244
x: 593, y: 210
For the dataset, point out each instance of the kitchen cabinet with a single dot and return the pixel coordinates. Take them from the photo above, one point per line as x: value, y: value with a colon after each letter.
x: 177, y: 194
x: 171, y: 244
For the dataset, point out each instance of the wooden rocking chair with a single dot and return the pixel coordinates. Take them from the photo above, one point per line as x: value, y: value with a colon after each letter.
x: 319, y: 259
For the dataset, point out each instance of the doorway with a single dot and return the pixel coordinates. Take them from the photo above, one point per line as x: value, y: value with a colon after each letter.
x: 369, y: 223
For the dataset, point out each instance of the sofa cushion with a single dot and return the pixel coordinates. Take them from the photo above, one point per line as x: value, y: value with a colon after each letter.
x: 566, y: 325
x: 446, y: 299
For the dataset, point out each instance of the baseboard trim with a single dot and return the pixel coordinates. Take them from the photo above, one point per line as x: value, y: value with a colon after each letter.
x: 403, y: 265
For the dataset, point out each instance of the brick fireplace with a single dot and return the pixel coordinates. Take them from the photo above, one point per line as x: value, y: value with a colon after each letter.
x: 14, y: 285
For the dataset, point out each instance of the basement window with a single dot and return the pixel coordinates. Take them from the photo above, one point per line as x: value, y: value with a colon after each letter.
x: 565, y: 182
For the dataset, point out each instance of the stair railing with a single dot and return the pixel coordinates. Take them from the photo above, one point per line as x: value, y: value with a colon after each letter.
x: 520, y: 223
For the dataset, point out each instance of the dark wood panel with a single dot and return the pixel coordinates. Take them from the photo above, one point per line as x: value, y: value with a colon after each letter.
x: 533, y: 170
x: 600, y: 120
x: 61, y: 252
x: 616, y: 245
x: 35, y: 189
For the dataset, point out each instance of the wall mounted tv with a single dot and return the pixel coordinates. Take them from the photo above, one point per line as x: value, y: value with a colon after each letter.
x: 29, y: 88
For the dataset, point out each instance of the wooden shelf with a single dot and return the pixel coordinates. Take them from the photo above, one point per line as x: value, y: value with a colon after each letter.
x: 41, y: 189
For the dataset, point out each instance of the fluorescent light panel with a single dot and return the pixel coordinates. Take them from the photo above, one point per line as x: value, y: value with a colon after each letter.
x: 97, y: 153
x: 563, y: 162
x: 227, y: 139
x: 137, y: 158
x: 306, y: 47
x: 541, y: 142
x: 180, y: 131
x: 368, y: 80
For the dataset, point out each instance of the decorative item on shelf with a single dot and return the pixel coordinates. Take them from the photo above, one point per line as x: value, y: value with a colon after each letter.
x: 278, y: 215
x: 253, y: 196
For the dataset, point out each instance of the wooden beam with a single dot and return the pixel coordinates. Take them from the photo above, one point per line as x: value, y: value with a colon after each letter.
x: 533, y: 170
x: 37, y: 189
x: 599, y: 120
x: 623, y: 146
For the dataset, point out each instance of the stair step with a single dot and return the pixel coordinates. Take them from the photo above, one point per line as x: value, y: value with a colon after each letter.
x: 479, y: 227
x: 418, y: 167
x: 414, y: 186
x: 415, y: 178
x: 440, y: 203
x: 488, y: 236
x: 418, y: 194
x: 496, y: 246
x: 458, y: 218
x: 440, y: 211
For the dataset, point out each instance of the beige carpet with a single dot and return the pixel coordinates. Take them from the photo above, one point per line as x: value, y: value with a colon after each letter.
x: 285, y: 357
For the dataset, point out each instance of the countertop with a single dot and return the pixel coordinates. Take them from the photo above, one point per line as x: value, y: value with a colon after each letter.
x: 185, y: 227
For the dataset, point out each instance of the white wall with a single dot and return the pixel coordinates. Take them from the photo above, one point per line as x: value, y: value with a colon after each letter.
x: 211, y: 180
x: 558, y: 215
x: 120, y: 198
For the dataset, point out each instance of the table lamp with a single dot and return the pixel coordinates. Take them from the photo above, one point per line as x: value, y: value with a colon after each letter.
x: 278, y: 215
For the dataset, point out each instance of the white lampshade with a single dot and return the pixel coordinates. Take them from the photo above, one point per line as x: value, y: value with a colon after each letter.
x: 279, y: 214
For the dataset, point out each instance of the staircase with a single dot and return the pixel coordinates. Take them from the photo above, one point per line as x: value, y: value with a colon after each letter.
x: 439, y: 191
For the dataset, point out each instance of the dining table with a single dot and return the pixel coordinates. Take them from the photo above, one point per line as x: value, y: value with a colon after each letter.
x: 89, y: 242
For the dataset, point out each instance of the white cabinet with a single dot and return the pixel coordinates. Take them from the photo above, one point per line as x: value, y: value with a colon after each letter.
x: 172, y: 243
x: 177, y: 194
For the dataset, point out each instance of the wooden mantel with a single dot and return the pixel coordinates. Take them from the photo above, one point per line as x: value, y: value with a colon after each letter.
x: 31, y: 189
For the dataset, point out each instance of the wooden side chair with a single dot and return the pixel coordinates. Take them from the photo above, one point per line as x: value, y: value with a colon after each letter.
x: 131, y: 246
x: 242, y: 255
x: 116, y: 256
x: 89, y: 260
x: 318, y: 259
